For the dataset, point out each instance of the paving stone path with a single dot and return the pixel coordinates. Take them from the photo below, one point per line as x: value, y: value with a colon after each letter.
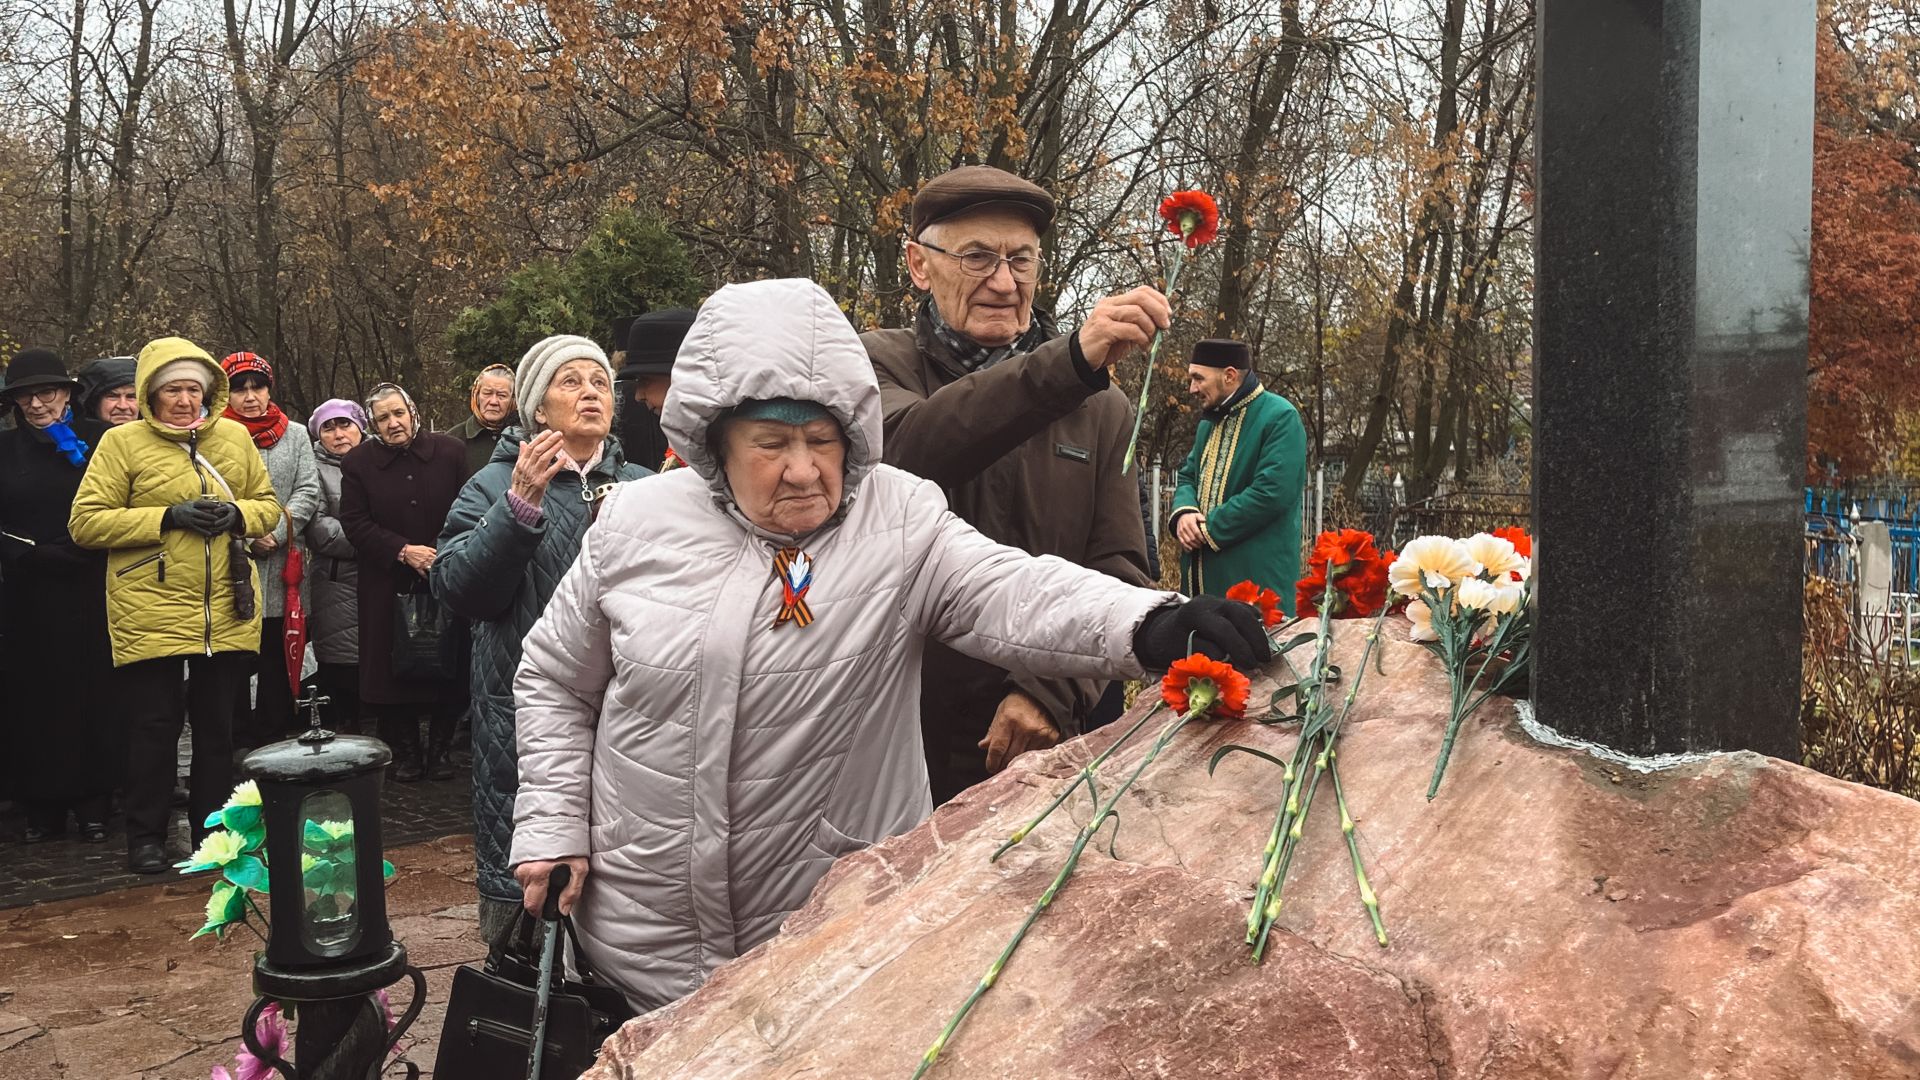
x: 107, y: 984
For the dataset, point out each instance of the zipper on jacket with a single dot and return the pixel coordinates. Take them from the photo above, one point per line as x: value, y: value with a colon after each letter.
x: 161, y: 556
x: 206, y: 591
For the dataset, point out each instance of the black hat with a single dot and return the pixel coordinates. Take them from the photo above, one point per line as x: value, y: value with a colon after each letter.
x: 1222, y: 353
x: 972, y: 187
x: 37, y: 367
x: 653, y: 340
x: 617, y: 340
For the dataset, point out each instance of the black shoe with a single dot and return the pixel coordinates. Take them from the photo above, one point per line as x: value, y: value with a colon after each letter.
x: 441, y: 768
x: 408, y: 772
x: 147, y: 858
x: 93, y: 832
x: 40, y: 834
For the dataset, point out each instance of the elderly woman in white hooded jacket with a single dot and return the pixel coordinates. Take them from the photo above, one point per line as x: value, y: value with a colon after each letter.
x: 721, y: 697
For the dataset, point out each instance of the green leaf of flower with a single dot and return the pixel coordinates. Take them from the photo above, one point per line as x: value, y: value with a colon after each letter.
x: 1296, y: 641
x: 241, y: 819
x: 248, y: 872
x: 318, y: 874
x: 213, y: 820
x: 386, y: 870
x: 1235, y: 748
x: 314, y: 836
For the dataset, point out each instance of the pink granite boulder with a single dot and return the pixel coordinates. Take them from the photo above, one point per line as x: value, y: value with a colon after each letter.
x: 1551, y: 916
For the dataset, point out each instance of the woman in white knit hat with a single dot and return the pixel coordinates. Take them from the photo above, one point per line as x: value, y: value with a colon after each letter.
x: 510, y: 536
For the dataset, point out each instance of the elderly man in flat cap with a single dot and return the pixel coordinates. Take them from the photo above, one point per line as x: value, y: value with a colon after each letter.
x: 1023, y: 428
x: 1236, y: 511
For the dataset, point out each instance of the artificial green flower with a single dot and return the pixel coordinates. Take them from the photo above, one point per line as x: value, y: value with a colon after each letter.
x: 218, y: 849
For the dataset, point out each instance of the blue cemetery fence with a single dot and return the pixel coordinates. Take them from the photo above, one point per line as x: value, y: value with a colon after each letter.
x: 1832, y: 515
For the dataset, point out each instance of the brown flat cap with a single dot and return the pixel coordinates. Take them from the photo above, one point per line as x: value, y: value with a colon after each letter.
x: 971, y: 187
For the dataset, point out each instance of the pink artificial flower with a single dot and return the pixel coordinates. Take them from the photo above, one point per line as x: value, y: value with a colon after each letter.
x: 271, y: 1032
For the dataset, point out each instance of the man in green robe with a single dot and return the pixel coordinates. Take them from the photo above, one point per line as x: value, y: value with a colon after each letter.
x: 1236, y: 511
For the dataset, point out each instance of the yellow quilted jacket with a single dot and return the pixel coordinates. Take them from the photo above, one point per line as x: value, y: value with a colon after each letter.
x: 168, y: 593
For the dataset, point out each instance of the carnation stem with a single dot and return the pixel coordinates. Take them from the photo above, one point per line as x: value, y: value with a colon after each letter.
x: 1367, y: 897
x: 1084, y: 776
x: 1326, y: 738
x: 1105, y: 810
x: 1153, y: 355
x: 1453, y: 731
x: 1270, y: 857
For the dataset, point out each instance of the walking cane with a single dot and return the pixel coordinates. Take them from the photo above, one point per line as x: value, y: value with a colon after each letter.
x: 557, y: 883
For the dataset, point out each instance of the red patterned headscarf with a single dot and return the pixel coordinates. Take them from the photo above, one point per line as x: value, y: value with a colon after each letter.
x: 268, y: 427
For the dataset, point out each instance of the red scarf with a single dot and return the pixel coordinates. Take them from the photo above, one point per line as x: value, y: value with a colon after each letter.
x: 266, y: 428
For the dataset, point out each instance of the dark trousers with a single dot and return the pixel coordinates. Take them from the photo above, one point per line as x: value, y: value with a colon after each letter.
x: 340, y: 685
x: 270, y: 716
x: 157, y: 702
x: 51, y: 814
x: 400, y: 728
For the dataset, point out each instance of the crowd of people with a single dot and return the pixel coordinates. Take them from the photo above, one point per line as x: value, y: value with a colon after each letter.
x: 872, y: 569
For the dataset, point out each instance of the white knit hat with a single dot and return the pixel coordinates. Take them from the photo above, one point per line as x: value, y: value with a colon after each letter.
x: 183, y: 368
x: 536, y: 370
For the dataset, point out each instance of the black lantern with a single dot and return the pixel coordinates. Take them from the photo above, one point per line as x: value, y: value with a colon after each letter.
x: 320, y: 800
x: 329, y: 945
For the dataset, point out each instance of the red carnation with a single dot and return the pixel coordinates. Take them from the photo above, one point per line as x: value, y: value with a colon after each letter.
x: 1265, y: 599
x: 1522, y: 544
x: 1207, y: 684
x: 1517, y: 536
x: 1192, y: 216
x: 1359, y: 575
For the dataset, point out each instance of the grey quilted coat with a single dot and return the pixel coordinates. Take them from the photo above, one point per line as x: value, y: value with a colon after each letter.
x: 291, y: 466
x: 499, y: 573
x: 333, y: 573
x: 712, y: 764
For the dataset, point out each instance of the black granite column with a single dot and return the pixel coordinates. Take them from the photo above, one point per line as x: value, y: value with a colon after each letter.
x: 1675, y: 186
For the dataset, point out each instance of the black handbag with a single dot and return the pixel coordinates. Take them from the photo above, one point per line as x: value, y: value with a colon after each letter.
x: 422, y: 638
x: 489, y: 1029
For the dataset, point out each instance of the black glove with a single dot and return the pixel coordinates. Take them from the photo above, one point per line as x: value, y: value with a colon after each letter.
x: 1222, y: 629
x: 227, y: 518
x: 204, y: 516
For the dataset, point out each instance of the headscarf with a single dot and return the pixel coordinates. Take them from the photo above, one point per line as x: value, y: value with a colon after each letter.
x: 269, y: 427
x: 383, y: 390
x: 473, y: 396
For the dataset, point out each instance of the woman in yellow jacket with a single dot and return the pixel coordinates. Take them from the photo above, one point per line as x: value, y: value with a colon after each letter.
x: 168, y: 497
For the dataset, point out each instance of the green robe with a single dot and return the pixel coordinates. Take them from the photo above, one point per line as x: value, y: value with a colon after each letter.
x: 1245, y: 477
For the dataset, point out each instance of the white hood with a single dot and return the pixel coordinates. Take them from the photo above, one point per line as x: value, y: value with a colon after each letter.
x: 772, y: 339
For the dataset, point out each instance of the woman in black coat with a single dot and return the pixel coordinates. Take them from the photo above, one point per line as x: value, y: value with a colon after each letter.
x: 395, y: 491
x: 64, y: 750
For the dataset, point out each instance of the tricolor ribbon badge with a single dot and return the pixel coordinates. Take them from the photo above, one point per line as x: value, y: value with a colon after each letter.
x: 795, y: 571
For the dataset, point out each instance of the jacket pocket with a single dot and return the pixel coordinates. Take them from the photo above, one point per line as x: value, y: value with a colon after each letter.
x: 828, y: 839
x: 159, y: 558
